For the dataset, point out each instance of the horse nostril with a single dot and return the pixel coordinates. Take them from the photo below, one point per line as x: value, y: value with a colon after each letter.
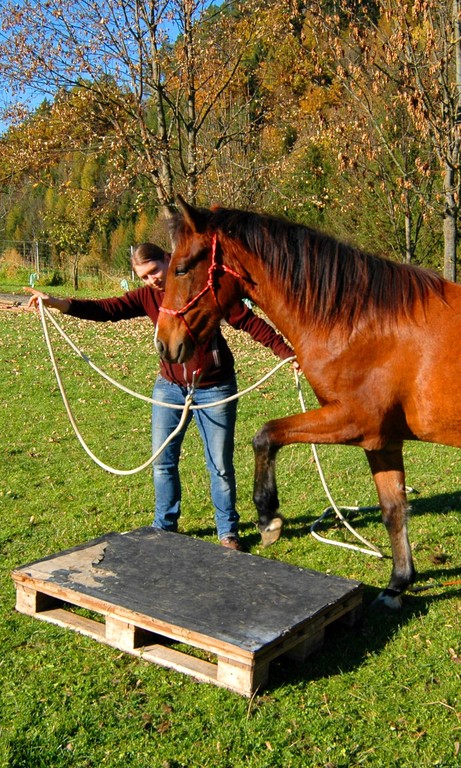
x: 160, y: 347
x: 171, y: 352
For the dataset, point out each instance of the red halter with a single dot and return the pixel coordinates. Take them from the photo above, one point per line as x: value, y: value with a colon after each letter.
x: 214, y: 266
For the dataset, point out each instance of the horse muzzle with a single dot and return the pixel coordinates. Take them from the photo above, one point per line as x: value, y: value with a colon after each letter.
x: 172, y: 351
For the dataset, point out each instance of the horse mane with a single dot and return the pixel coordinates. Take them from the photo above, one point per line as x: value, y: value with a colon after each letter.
x: 329, y: 279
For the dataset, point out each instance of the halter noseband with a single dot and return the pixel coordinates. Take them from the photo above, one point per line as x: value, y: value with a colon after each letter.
x: 214, y: 266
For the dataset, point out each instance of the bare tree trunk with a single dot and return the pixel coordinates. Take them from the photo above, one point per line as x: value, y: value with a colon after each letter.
x: 452, y: 176
x: 75, y: 273
x: 163, y: 172
x: 408, y: 223
x: 191, y: 169
x: 408, y: 243
x: 449, y: 226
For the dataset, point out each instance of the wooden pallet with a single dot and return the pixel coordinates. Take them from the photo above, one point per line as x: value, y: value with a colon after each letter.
x: 147, y: 590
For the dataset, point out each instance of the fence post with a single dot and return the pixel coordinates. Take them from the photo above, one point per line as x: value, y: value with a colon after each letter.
x: 37, y: 259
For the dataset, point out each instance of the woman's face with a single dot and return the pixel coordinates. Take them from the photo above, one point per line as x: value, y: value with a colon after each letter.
x: 152, y: 273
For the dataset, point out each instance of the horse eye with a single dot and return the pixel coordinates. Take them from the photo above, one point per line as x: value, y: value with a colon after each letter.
x: 180, y: 271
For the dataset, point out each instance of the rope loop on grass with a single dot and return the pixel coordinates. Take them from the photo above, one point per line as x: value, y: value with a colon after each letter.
x: 369, y: 548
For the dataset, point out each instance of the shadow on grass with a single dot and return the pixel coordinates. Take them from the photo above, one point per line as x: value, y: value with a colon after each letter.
x: 438, y: 504
x: 294, y: 528
x: 347, y: 648
x: 299, y: 526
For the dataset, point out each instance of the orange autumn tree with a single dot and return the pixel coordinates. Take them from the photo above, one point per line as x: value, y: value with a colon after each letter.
x: 164, y: 114
x: 399, y: 64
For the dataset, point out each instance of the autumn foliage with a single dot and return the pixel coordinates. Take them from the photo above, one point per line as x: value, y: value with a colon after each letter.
x: 343, y: 115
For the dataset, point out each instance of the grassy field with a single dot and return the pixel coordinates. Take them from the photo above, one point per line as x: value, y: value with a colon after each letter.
x: 385, y: 693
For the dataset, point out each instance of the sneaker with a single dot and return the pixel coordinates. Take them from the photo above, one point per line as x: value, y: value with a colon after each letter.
x: 231, y: 542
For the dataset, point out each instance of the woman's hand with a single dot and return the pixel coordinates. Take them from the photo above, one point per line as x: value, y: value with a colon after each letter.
x: 49, y: 301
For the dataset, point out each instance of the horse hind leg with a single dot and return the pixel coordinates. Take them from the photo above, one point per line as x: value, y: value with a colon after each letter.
x: 389, y: 476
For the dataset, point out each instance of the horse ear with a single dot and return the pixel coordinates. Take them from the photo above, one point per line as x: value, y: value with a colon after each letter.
x: 192, y: 216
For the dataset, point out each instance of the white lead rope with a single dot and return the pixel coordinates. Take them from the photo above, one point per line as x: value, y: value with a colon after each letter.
x: 44, y: 313
x: 112, y: 470
x: 185, y: 408
x: 370, y: 548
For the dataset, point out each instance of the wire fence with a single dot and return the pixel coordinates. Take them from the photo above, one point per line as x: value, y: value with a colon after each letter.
x: 34, y: 255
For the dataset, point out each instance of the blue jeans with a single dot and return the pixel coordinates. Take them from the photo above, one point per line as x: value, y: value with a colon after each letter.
x: 217, y: 428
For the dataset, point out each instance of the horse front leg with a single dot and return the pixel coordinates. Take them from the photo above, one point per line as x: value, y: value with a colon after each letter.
x: 329, y: 424
x: 389, y: 476
x: 265, y: 496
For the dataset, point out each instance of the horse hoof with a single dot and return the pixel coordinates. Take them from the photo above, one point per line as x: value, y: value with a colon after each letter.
x: 272, y: 532
x: 385, y: 600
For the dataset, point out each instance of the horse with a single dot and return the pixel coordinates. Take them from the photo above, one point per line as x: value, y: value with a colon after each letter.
x: 377, y: 341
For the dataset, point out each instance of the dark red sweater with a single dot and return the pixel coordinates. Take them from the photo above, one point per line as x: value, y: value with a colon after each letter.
x: 215, y: 360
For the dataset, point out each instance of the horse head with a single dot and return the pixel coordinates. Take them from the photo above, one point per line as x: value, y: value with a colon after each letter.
x: 199, y: 289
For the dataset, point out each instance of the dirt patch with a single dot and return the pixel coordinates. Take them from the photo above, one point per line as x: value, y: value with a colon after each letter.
x: 13, y: 301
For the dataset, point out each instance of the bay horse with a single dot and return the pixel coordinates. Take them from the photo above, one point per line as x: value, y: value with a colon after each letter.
x: 377, y: 341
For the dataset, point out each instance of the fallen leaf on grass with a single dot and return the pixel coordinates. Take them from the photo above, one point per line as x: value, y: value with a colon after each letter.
x: 454, y: 656
x: 439, y: 557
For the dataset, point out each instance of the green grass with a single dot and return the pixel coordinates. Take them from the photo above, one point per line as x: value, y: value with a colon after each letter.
x: 385, y: 693
x: 89, y: 287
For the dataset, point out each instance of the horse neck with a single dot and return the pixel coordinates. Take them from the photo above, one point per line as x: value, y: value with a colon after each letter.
x: 283, y: 309
x: 275, y: 306
x: 268, y: 295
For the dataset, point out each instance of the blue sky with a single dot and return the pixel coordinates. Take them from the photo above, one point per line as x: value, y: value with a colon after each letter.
x: 32, y: 98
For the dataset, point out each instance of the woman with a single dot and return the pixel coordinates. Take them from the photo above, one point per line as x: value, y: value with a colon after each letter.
x: 210, y: 372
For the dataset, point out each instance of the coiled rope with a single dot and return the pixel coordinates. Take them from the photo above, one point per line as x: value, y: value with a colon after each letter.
x: 370, y: 548
x: 45, y: 314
